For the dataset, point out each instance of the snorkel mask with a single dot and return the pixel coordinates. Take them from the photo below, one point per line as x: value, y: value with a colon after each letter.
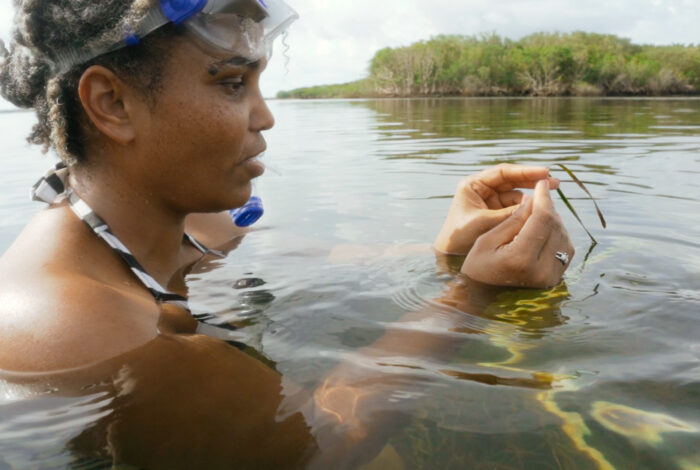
x: 229, y: 28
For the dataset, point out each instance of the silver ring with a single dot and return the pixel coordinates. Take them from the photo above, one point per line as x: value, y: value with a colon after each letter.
x: 563, y: 257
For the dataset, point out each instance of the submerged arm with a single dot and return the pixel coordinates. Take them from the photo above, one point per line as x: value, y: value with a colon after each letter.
x: 510, y: 241
x: 507, y: 241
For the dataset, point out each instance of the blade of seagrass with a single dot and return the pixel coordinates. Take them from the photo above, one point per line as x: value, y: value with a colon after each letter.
x: 582, y: 186
x: 573, y: 211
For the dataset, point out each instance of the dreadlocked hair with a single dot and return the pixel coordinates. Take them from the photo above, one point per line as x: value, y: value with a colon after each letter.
x: 28, y: 78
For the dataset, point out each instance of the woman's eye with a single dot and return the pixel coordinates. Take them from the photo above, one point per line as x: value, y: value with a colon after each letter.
x: 233, y: 85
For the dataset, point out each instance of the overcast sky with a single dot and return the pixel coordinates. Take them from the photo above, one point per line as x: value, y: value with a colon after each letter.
x: 335, y: 39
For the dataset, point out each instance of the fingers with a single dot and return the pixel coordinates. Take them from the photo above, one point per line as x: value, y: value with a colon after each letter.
x: 545, y: 233
x: 555, y: 258
x: 543, y: 221
x: 493, y: 218
x: 506, y: 177
x: 505, y: 232
x: 489, y: 184
x: 542, y: 199
x: 500, y: 200
x: 510, y: 198
x: 522, y: 250
x: 543, y: 215
x: 556, y: 243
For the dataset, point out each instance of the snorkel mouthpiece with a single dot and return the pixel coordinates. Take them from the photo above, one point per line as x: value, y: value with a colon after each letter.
x: 248, y: 214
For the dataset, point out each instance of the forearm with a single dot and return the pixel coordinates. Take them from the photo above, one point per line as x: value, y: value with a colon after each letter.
x: 355, y: 398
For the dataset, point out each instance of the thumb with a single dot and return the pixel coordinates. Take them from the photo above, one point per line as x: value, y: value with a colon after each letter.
x: 506, y: 231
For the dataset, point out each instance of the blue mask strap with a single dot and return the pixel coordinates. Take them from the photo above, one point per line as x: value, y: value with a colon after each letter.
x: 179, y: 11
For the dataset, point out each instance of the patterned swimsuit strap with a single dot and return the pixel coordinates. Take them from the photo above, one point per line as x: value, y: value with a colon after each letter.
x: 102, y: 230
x: 53, y: 188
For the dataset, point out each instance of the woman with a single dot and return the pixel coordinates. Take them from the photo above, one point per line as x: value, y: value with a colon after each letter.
x: 156, y: 112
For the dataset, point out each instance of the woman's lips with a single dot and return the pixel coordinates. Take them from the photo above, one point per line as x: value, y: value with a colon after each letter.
x: 255, y: 164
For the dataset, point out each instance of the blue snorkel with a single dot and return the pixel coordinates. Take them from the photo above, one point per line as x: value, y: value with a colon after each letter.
x: 248, y: 214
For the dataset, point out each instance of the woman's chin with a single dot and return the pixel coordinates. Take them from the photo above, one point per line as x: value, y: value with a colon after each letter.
x: 240, y: 198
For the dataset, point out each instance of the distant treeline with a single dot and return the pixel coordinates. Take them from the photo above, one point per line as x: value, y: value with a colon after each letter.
x: 543, y: 64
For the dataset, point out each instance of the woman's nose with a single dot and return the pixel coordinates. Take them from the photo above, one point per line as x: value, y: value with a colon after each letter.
x: 261, y: 118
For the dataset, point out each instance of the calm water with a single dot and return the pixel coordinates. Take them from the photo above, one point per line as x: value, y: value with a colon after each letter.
x: 601, y: 372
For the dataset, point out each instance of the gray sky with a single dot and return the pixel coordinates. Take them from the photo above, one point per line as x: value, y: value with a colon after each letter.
x: 335, y: 39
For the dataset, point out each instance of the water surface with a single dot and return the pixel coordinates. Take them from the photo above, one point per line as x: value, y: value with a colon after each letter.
x: 602, y: 371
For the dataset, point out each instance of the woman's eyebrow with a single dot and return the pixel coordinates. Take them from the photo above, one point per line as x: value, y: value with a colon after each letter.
x: 236, y: 61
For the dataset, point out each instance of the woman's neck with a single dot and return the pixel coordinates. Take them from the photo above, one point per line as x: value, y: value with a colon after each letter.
x: 138, y: 218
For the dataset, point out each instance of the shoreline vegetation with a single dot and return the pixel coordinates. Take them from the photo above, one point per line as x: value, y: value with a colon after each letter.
x: 542, y: 64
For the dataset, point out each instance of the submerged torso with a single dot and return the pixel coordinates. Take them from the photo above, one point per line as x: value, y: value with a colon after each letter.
x: 74, y: 319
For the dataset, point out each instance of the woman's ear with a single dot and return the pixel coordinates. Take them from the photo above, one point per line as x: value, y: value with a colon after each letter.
x: 109, y: 104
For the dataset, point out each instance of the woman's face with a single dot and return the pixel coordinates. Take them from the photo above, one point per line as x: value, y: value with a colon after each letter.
x: 200, y: 137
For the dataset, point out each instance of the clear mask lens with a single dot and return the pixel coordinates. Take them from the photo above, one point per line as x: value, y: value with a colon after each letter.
x: 241, y: 27
x: 253, y: 9
x: 229, y: 35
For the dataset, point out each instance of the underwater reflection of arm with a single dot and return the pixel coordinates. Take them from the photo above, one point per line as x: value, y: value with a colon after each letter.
x: 361, y: 400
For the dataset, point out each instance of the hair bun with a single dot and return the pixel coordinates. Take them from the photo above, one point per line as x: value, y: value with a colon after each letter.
x: 23, y: 76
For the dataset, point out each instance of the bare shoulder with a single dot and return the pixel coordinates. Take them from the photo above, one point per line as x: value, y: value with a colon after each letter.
x: 55, y: 313
x: 61, y: 323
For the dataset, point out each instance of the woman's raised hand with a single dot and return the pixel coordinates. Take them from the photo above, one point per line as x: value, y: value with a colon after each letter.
x: 483, y: 201
x: 531, y: 248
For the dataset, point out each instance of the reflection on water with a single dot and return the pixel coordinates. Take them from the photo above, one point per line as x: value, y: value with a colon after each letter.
x: 600, y: 372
